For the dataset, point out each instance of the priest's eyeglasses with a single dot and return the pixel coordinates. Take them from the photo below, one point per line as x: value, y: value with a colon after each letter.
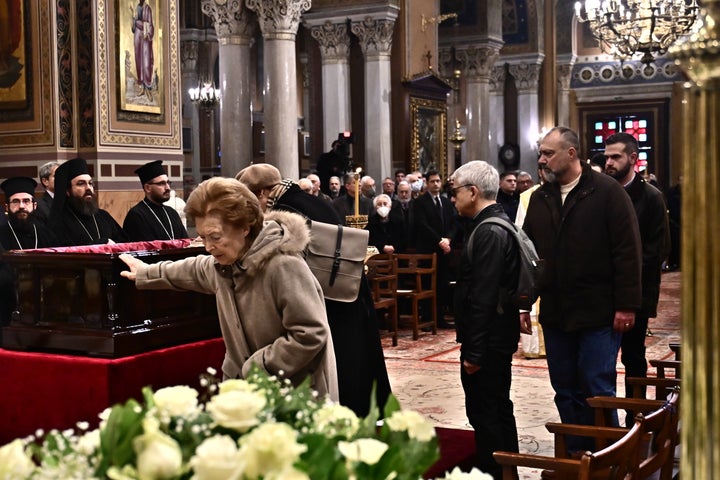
x: 24, y: 201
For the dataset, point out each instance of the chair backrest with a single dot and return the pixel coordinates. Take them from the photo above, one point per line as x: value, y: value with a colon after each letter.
x: 619, y: 461
x: 662, y: 426
x: 382, y: 275
x: 413, y: 267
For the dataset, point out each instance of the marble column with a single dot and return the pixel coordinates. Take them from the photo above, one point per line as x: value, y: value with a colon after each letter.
x: 234, y: 26
x: 477, y: 62
x: 497, y: 119
x: 699, y: 57
x: 376, y: 43
x: 335, y: 52
x: 527, y: 77
x: 189, y: 56
x: 279, y: 21
x: 564, y: 77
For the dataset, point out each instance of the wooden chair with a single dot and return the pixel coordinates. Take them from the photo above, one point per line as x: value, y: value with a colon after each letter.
x: 617, y: 461
x: 662, y: 365
x: 382, y: 275
x: 417, y: 282
x: 660, y: 386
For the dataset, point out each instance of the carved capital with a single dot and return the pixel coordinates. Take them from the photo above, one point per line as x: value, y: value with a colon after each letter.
x: 231, y: 19
x: 279, y: 19
x: 189, y: 55
x: 334, y: 41
x: 564, y: 76
x: 375, y: 36
x: 497, y: 79
x: 526, y: 77
x: 477, y: 61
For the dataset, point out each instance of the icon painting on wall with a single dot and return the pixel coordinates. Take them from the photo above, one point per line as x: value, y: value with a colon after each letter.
x: 13, y: 88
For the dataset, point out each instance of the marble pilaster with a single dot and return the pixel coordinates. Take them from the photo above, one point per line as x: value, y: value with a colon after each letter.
x: 279, y: 21
x: 527, y: 76
x: 234, y: 26
x: 190, y: 79
x: 478, y: 61
x: 564, y: 76
x: 375, y: 36
x: 497, y: 106
x: 334, y: 42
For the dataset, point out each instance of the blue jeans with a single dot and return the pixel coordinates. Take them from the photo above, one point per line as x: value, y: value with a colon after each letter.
x: 581, y: 364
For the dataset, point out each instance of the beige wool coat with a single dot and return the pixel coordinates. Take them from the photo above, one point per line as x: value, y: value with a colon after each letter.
x: 270, y: 305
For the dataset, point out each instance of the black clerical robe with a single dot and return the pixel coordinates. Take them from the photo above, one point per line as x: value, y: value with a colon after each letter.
x: 72, y: 228
x: 149, y: 221
x: 25, y: 235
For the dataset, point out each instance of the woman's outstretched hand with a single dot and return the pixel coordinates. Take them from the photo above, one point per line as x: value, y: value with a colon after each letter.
x: 133, y: 263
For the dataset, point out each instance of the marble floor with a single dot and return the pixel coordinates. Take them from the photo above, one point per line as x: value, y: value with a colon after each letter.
x: 424, y: 375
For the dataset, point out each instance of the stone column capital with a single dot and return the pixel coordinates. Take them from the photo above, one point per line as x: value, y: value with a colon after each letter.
x: 527, y: 76
x: 564, y: 75
x: 497, y: 79
x: 477, y: 60
x: 375, y: 36
x: 189, y: 55
x: 234, y: 23
x: 279, y: 19
x: 334, y: 41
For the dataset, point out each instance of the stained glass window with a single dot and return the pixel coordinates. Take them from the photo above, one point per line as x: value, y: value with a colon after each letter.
x: 636, y: 125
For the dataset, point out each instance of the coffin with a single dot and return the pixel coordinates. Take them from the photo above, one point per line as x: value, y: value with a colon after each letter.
x: 73, y: 300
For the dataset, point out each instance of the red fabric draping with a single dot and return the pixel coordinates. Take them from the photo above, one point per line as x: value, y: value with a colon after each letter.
x: 118, y: 247
x: 40, y: 390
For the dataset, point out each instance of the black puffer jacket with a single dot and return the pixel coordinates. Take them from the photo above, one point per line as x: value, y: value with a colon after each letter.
x: 485, y: 317
x: 591, y: 247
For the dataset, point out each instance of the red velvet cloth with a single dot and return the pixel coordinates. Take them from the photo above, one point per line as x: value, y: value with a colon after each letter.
x: 47, y: 391
x: 119, y: 247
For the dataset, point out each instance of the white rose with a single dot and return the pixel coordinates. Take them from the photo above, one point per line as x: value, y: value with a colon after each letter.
x: 216, y: 458
x: 332, y: 420
x: 473, y: 474
x: 158, y: 455
x: 365, y: 450
x: 236, y: 409
x: 288, y: 473
x: 179, y: 401
x: 271, y: 447
x: 14, y: 461
x: 89, y: 443
x: 236, y: 384
x: 417, y: 426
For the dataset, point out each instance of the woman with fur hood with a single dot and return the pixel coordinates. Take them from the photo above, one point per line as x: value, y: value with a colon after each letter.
x: 269, y: 303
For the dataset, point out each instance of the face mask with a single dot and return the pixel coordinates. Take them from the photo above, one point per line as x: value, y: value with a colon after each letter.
x: 370, y: 193
x: 383, y: 211
x: 417, y: 185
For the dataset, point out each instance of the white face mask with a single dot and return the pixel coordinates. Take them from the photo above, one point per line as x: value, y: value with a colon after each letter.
x: 417, y: 185
x: 383, y: 211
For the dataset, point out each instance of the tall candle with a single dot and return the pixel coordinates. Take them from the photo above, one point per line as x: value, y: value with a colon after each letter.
x: 357, y: 194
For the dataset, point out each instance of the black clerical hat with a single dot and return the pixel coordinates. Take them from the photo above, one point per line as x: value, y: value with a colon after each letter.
x: 69, y: 170
x: 14, y: 185
x: 149, y: 171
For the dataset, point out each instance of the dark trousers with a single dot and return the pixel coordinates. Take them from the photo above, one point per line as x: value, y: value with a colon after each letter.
x: 633, y: 352
x: 490, y: 411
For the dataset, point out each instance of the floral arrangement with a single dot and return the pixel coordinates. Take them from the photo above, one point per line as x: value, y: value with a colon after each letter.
x: 258, y: 428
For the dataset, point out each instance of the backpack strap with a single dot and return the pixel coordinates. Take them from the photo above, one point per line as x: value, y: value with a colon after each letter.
x: 336, y: 261
x: 492, y: 220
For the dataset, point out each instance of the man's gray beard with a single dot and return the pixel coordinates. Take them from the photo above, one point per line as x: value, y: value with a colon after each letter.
x: 548, y: 175
x: 84, y: 207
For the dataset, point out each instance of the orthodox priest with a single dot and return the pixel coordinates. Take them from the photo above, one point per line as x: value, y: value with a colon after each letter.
x: 150, y: 219
x: 22, y: 231
x: 75, y: 218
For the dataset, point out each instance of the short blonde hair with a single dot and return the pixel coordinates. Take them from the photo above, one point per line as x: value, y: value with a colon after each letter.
x: 229, y: 200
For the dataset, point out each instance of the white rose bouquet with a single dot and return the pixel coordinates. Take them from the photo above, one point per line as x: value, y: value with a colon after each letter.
x: 257, y: 428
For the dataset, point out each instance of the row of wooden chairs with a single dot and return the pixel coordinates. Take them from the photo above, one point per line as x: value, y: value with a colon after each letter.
x: 411, y: 277
x: 646, y: 450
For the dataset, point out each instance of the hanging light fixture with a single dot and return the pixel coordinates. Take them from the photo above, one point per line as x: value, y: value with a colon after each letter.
x: 626, y: 27
x: 205, y: 95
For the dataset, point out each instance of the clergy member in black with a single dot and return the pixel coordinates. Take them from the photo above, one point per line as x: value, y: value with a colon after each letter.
x: 75, y: 217
x: 150, y: 219
x: 23, y: 231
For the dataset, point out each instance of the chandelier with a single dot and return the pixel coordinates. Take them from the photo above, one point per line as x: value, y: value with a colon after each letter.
x: 205, y: 95
x: 626, y: 27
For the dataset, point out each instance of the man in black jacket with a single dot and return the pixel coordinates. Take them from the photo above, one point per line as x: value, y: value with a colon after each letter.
x: 488, y: 324
x: 621, y: 153
x: 585, y: 228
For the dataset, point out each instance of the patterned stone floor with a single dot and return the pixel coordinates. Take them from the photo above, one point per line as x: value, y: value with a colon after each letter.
x: 424, y: 375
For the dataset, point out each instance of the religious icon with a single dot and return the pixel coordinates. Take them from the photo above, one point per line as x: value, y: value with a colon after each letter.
x: 13, y: 90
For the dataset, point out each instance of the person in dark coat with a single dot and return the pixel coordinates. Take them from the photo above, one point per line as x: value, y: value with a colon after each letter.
x: 387, y: 226
x: 345, y: 203
x: 75, y: 217
x: 508, y: 195
x: 487, y: 322
x: 621, y: 152
x: 585, y: 228
x: 332, y: 164
x: 150, y: 219
x: 22, y: 231
x: 47, y: 178
x: 354, y: 325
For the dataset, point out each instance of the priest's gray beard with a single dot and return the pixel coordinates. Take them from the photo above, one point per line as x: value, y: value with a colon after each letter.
x: 84, y: 207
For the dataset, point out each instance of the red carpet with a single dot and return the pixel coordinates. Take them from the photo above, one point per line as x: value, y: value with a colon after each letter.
x: 457, y: 448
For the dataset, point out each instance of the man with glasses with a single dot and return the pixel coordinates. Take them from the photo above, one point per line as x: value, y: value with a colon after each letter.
x: 22, y: 231
x: 75, y: 217
x: 150, y: 219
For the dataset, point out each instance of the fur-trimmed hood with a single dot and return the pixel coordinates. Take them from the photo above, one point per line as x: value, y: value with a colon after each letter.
x: 283, y: 233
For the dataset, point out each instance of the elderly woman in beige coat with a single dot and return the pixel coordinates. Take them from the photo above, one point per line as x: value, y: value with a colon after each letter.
x: 270, y: 305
